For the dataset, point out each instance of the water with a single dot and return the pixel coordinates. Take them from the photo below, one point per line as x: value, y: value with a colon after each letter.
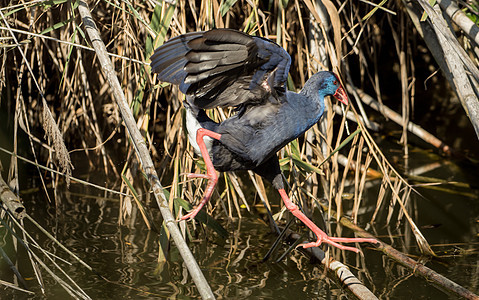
x: 86, y: 222
x: 127, y: 257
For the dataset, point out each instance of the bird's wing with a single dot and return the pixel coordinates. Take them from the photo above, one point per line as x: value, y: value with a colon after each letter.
x: 223, y: 67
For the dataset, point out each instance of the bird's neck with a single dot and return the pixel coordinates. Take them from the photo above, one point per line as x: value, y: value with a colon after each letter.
x: 314, y: 100
x: 304, y: 110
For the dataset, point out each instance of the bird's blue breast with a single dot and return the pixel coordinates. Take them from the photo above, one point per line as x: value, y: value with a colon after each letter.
x: 290, y: 122
x: 302, y: 127
x: 305, y: 116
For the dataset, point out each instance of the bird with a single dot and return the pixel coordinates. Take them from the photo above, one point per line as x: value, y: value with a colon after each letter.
x: 229, y: 68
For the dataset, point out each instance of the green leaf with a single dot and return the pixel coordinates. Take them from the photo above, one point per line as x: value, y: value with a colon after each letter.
x: 424, y: 14
x: 226, y: 5
x: 80, y: 31
x: 50, y: 3
x: 75, y: 6
x: 70, y: 50
x: 164, y: 241
x: 44, y: 4
x: 305, y: 166
x: 200, y: 163
x: 295, y: 147
x: 11, y: 12
x: 284, y: 164
x: 135, y: 196
x: 159, y: 24
x: 138, y: 99
x: 369, y: 14
x: 56, y: 26
x: 204, y: 218
x: 290, y: 83
x: 341, y: 146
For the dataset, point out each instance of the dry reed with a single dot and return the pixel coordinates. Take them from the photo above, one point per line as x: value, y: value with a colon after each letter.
x: 78, y: 106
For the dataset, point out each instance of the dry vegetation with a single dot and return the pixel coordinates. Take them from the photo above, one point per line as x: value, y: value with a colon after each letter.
x: 52, y: 87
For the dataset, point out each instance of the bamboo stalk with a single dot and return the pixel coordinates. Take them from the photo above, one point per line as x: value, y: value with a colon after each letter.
x: 142, y: 152
x: 459, y: 65
x: 460, y: 19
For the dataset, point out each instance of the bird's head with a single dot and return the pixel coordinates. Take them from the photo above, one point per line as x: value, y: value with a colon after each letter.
x: 329, y: 85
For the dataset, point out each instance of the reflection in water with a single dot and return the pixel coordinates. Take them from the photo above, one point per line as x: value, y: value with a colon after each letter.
x: 127, y: 255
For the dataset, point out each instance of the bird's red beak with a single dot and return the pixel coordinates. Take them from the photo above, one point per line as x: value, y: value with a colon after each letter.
x: 341, y: 95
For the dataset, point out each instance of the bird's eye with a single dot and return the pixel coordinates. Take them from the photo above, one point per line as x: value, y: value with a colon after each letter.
x: 335, y: 82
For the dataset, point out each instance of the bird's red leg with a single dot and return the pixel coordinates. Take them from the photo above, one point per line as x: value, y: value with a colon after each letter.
x: 210, y: 170
x: 322, y: 236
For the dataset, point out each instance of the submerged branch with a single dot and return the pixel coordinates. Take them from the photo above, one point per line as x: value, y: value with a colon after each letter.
x: 142, y: 151
x: 340, y: 271
x: 416, y: 267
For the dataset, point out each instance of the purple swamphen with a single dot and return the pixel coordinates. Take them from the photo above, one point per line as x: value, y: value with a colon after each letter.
x: 228, y: 68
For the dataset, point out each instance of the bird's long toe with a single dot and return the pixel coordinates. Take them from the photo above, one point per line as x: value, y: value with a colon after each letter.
x: 198, y: 175
x: 212, y: 180
x: 191, y: 215
x: 353, y: 240
x: 333, y: 241
x: 328, y: 240
x: 311, y: 244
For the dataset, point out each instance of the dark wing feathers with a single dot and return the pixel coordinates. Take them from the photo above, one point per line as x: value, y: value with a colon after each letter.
x: 223, y: 67
x: 276, y: 60
x: 169, y: 60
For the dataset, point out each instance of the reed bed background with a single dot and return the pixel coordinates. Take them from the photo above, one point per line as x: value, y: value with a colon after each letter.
x: 58, y: 102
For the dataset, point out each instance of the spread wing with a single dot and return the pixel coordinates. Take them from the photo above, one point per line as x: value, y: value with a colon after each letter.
x: 223, y: 67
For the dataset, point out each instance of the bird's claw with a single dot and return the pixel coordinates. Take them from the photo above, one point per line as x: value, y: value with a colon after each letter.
x: 327, y: 241
x: 212, y: 180
x: 333, y: 241
x: 311, y: 244
x: 189, y: 216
